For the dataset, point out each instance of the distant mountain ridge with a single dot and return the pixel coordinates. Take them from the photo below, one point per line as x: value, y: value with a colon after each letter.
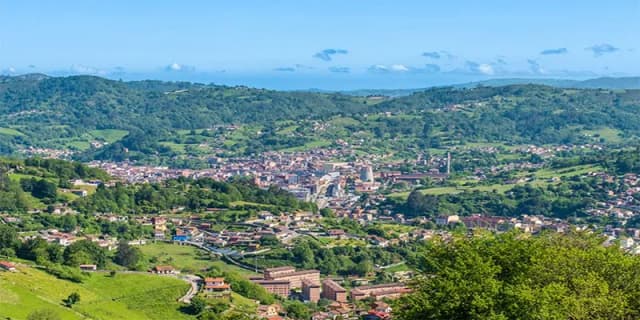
x: 157, y: 121
x: 612, y: 83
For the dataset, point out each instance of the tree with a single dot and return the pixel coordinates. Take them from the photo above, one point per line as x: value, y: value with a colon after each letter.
x: 72, y: 299
x: 363, y: 268
x: 327, y: 213
x: 43, y: 314
x: 43, y: 189
x: 303, y: 254
x: 127, y: 255
x: 511, y: 276
x: 269, y: 240
x: 84, y: 252
x: 197, y: 305
x: 297, y: 310
x: 8, y: 237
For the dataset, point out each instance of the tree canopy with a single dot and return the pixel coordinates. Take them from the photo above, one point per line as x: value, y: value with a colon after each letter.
x: 514, y: 276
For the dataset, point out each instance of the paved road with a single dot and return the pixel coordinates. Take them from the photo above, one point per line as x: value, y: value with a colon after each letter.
x: 194, y: 281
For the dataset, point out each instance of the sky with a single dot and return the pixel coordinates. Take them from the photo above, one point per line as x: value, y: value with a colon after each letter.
x: 328, y: 44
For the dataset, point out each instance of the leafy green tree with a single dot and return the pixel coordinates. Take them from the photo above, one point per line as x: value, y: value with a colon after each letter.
x: 127, y: 255
x: 72, y: 299
x: 303, y: 254
x: 197, y: 305
x: 84, y: 252
x: 512, y: 276
x: 8, y: 237
x: 297, y: 310
x: 363, y: 268
x: 269, y: 240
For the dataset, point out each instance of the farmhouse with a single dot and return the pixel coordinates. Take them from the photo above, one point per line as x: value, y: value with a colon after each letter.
x: 212, y: 285
x: 164, y: 270
x: 8, y: 266
x: 88, y: 267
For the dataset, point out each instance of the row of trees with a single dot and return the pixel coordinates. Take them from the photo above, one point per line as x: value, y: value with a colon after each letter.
x: 55, y: 257
x: 195, y: 195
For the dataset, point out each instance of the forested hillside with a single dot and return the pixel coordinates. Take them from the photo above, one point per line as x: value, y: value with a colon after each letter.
x: 34, y: 183
x: 114, y: 120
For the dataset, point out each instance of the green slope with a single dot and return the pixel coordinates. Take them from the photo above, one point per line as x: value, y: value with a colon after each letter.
x: 126, y: 296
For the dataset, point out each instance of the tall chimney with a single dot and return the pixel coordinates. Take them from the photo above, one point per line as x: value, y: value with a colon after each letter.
x: 448, y: 163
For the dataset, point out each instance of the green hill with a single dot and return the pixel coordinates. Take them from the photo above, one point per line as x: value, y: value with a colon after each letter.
x: 156, y: 121
x: 125, y: 296
x: 596, y: 83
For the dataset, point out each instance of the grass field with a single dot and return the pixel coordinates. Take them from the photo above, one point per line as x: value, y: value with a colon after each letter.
x: 540, y: 178
x: 608, y: 134
x: 175, y: 147
x: 126, y: 296
x: 500, y: 188
x: 331, y: 242
x: 567, y: 172
x: 398, y: 268
x: 109, y: 135
x: 246, y: 203
x: 10, y: 132
x: 185, y: 258
x: 318, y: 143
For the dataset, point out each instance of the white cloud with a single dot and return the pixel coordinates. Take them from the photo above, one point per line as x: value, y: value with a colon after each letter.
x: 378, y: 68
x: 478, y: 68
x: 9, y: 70
x: 176, y: 67
x: 486, y: 69
x: 399, y: 68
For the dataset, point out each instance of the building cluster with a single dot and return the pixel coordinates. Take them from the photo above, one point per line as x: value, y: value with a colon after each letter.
x: 282, y: 280
x: 66, y: 238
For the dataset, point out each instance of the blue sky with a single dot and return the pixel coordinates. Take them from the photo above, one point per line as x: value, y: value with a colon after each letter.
x: 322, y: 44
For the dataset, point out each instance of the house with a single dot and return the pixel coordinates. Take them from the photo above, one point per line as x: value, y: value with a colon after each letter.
x: 88, y: 267
x: 269, y: 311
x: 376, y: 315
x: 8, y: 266
x: 381, y: 306
x: 339, y: 309
x: 336, y: 233
x: 266, y: 216
x: 80, y: 192
x: 212, y: 285
x: 378, y: 241
x: 164, y: 270
x: 446, y: 220
x: 319, y: 315
x: 182, y: 237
